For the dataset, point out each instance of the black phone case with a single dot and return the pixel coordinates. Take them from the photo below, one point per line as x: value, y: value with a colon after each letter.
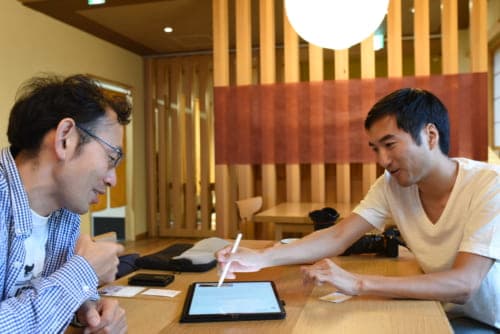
x: 151, y: 279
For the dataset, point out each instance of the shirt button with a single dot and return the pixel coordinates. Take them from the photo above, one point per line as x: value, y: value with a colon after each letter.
x: 85, y: 288
x: 17, y: 264
x: 18, y: 231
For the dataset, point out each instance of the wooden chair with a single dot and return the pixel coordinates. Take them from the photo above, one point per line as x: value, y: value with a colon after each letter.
x: 246, y: 209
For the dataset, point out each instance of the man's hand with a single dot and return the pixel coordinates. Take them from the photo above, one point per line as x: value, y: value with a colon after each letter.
x: 102, y: 256
x: 244, y: 260
x: 103, y: 316
x: 327, y: 271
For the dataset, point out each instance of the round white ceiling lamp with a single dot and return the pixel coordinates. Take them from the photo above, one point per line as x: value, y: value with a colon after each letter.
x: 335, y: 24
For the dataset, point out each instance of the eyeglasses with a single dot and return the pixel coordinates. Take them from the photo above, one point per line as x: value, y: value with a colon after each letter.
x: 116, y: 157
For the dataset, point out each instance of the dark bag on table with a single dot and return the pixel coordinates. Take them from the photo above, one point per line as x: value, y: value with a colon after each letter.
x: 183, y: 257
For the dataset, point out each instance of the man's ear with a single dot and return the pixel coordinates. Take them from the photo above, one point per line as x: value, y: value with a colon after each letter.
x: 432, y: 135
x: 66, y: 138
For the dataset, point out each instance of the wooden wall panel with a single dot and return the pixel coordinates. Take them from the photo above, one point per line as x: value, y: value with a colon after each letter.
x: 340, y: 136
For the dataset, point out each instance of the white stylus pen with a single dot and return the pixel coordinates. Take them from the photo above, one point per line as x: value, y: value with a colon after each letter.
x: 226, y: 268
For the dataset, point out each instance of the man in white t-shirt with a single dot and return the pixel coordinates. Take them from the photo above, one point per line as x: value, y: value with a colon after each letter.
x: 448, y: 212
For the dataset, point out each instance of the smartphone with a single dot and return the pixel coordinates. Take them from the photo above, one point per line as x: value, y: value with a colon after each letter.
x: 151, y: 279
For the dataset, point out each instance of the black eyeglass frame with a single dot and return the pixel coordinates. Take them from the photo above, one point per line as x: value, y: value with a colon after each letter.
x: 119, y: 152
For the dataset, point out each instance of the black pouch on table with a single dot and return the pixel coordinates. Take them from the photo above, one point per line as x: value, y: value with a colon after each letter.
x: 183, y: 257
x: 126, y: 264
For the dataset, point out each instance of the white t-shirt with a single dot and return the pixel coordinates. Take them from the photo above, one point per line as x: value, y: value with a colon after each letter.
x: 35, y: 254
x: 469, y: 223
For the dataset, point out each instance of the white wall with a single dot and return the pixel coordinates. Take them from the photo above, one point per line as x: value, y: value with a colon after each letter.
x: 32, y: 43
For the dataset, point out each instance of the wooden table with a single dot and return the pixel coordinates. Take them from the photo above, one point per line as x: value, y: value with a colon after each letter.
x: 305, y: 312
x: 294, y: 217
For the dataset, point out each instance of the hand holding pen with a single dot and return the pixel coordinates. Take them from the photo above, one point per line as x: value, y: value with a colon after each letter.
x: 241, y: 260
x: 226, y: 267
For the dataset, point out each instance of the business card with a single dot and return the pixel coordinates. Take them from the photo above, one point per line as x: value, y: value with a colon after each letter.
x: 335, y: 297
x: 161, y: 292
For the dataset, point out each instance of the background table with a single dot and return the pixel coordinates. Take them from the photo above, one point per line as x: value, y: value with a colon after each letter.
x: 294, y: 217
x: 305, y: 312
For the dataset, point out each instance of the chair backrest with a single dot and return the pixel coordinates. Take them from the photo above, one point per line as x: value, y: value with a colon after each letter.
x: 248, y: 207
x: 108, y: 236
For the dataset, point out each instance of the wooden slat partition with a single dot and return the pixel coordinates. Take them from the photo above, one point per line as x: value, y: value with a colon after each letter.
x: 150, y: 124
x: 177, y: 107
x: 291, y: 50
x: 190, y: 146
x: 162, y: 107
x: 343, y: 176
x: 181, y: 133
x: 244, y: 78
x: 369, y: 170
x: 316, y: 73
x: 221, y: 78
x: 449, y: 40
x: 478, y: 36
x: 268, y: 76
x: 422, y: 41
x: 394, y: 41
x: 206, y: 144
x: 183, y: 146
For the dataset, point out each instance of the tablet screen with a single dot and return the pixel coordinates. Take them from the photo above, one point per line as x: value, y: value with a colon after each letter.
x: 233, y: 301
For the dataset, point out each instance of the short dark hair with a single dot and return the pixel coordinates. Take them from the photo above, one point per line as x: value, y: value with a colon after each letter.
x: 413, y: 109
x: 43, y: 101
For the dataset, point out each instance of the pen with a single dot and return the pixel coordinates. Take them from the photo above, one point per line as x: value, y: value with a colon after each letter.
x: 226, y: 268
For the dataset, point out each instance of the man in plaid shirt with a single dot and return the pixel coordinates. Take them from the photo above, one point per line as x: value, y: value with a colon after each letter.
x: 65, y: 143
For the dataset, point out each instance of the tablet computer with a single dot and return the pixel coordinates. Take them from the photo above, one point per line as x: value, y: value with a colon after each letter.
x: 233, y: 301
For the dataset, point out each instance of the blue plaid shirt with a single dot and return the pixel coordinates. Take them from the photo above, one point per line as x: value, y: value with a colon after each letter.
x: 67, y: 280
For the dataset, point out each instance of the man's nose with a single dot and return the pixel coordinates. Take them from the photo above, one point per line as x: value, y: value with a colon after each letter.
x: 384, y: 159
x: 110, y: 178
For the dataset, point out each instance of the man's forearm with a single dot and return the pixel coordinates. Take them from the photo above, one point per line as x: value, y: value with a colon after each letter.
x: 428, y: 287
x: 328, y: 242
x: 315, y: 246
x: 455, y: 285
